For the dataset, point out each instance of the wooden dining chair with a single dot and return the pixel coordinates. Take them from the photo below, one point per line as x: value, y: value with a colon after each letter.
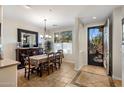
x: 49, y: 64
x: 57, y: 61
x: 28, y: 68
x: 40, y: 52
x: 62, y: 54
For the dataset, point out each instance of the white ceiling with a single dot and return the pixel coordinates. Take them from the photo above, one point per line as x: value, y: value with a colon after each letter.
x: 62, y: 16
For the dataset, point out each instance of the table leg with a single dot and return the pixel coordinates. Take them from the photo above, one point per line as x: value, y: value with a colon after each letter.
x: 41, y: 69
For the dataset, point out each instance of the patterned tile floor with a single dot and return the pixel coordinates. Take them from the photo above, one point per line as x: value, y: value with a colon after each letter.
x: 60, y: 78
x: 94, y: 69
x: 85, y: 79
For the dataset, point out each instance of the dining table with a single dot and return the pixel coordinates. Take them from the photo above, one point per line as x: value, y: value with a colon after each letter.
x: 38, y: 60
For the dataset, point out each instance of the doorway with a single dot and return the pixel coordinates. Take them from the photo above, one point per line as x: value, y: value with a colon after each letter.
x: 95, y: 45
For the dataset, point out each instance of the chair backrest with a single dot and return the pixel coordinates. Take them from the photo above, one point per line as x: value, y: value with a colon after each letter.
x: 40, y: 51
x: 45, y: 52
x: 62, y: 54
x: 34, y: 53
x: 60, y: 50
x: 27, y: 61
x: 57, y: 55
x: 50, y: 57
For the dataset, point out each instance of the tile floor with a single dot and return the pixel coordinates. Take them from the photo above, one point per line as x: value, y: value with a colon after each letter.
x: 60, y: 78
x: 85, y: 79
x: 94, y: 69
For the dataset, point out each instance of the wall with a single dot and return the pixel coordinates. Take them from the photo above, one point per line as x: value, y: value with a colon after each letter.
x: 76, y: 44
x: 123, y: 65
x: 0, y: 13
x: 117, y: 40
x: 83, y: 41
x: 123, y: 54
x: 0, y: 27
x: 9, y: 35
x: 82, y: 45
x: 80, y: 42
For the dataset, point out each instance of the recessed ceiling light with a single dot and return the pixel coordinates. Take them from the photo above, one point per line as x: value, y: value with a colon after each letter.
x: 27, y: 6
x: 94, y: 17
x: 50, y: 10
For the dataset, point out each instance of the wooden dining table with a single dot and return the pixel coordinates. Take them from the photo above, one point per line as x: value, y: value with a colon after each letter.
x: 38, y: 59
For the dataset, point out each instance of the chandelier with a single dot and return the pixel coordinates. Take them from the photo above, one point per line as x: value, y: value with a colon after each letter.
x: 45, y: 36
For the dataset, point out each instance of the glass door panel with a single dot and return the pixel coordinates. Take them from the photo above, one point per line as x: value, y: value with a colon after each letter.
x: 95, y: 46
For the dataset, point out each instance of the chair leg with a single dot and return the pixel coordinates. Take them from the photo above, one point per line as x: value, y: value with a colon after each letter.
x: 52, y: 68
x: 61, y: 61
x: 37, y: 71
x: 41, y: 71
x: 25, y: 73
x: 29, y: 75
x: 55, y: 66
x: 48, y: 70
x: 59, y: 65
x: 32, y: 71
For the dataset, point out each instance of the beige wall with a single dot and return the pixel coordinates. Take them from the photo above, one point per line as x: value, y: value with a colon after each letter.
x: 0, y: 22
x: 83, y: 41
x: 9, y: 35
x: 0, y: 13
x: 123, y: 53
x: 117, y: 40
x: 123, y: 65
x: 80, y: 42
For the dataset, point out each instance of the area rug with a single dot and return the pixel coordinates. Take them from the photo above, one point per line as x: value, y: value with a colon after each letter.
x: 94, y: 69
x: 86, y: 79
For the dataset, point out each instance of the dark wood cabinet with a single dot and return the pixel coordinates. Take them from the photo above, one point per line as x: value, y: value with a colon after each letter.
x: 22, y: 53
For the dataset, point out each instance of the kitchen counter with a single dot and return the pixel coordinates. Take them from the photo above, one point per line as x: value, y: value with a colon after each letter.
x: 7, y: 62
x: 8, y: 73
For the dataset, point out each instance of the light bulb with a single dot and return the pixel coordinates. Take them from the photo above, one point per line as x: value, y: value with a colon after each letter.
x: 57, y: 35
x: 50, y: 37
x: 41, y: 36
x: 46, y: 36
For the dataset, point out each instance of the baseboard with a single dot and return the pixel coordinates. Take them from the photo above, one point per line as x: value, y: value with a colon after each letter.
x: 117, y: 78
x: 69, y: 61
x: 77, y: 69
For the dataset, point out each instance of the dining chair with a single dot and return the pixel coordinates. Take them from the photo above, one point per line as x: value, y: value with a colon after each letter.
x: 34, y: 53
x: 22, y: 59
x: 49, y: 64
x: 29, y: 68
x: 40, y: 52
x: 62, y: 54
x: 57, y: 60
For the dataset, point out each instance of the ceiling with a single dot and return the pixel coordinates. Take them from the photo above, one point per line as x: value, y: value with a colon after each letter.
x: 58, y: 15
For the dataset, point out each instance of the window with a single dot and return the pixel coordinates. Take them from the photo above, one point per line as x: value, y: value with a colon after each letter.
x: 63, y: 40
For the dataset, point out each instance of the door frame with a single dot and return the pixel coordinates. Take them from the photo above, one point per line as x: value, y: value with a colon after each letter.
x: 89, y: 43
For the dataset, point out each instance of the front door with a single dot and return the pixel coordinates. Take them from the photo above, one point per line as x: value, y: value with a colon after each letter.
x: 95, y: 45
